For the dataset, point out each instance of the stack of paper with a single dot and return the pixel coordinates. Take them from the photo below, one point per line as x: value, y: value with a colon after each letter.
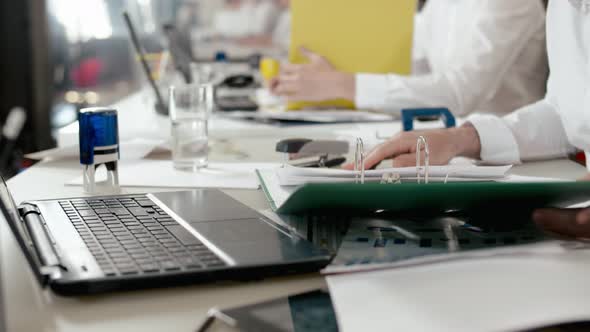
x: 296, y: 176
x: 526, y: 288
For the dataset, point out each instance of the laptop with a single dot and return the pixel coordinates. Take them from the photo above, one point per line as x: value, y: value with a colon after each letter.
x: 91, y: 245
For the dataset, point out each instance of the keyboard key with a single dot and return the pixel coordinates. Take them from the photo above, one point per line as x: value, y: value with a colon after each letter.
x: 122, y: 259
x: 145, y: 203
x: 109, y: 272
x: 119, y: 211
x: 137, y: 251
x: 169, y: 265
x: 132, y: 246
x: 188, y: 261
x: 129, y: 271
x: 215, y: 264
x: 172, y: 245
x: 87, y: 214
x: 109, y: 245
x: 142, y: 236
x: 140, y: 257
x: 138, y: 211
x: 178, y: 249
x: 115, y: 250
x: 119, y: 255
x: 149, y: 267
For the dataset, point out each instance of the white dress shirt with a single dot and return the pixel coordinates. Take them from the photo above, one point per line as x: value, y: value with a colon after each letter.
x: 483, y: 56
x: 252, y: 18
x: 560, y: 123
x: 281, y: 35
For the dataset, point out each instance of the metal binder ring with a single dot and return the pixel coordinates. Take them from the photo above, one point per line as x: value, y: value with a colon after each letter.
x: 359, y: 161
x: 421, y: 142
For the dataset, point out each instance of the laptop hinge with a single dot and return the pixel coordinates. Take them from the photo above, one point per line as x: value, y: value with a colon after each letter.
x: 42, y: 242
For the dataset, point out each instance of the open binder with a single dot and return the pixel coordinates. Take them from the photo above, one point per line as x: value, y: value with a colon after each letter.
x: 392, y: 195
x: 433, y: 198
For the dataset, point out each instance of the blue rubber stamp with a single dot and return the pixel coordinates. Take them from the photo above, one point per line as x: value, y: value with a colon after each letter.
x: 99, y: 145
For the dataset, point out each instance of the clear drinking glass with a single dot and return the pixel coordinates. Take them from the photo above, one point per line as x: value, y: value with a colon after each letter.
x: 189, y: 110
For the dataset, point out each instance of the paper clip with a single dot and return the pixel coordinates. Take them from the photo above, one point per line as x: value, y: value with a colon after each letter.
x: 421, y: 142
x: 359, y: 162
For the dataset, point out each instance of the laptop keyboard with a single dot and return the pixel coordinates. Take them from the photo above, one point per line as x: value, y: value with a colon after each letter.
x: 131, y: 235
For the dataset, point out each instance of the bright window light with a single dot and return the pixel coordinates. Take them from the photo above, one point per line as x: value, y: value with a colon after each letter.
x: 83, y: 20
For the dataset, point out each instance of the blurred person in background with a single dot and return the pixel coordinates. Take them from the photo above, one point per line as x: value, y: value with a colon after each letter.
x: 243, y: 19
x: 469, y: 56
x: 279, y: 35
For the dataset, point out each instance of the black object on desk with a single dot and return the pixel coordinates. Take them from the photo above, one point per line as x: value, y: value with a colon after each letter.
x: 234, y: 93
x: 305, y: 152
x: 180, y: 50
x: 160, y: 105
x: 307, y: 312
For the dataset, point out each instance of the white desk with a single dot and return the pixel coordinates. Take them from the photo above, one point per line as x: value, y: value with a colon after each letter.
x: 29, y: 308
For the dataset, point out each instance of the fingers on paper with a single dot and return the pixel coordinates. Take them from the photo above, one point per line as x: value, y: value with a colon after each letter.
x: 568, y: 222
x: 387, y: 150
x: 404, y: 160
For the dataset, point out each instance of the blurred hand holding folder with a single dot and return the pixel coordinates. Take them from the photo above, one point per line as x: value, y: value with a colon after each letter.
x: 350, y: 34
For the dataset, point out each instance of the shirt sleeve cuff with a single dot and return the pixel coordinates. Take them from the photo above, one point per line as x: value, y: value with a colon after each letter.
x: 498, y: 145
x: 371, y: 91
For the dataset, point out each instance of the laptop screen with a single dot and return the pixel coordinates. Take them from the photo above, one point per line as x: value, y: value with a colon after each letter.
x: 11, y: 215
x: 9, y: 207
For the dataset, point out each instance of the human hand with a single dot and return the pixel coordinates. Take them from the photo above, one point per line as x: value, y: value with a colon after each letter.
x: 444, y: 145
x: 569, y: 222
x: 316, y: 80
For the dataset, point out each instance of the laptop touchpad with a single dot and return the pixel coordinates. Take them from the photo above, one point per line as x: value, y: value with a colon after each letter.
x: 252, y: 241
x: 205, y: 205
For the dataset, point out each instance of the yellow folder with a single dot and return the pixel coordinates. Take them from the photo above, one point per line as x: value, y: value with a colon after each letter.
x: 357, y: 36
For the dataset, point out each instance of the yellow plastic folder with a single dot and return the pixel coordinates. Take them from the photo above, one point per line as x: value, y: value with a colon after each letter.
x: 368, y: 36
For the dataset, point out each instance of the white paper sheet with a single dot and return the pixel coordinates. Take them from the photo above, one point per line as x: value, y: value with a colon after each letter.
x: 294, y: 176
x: 161, y: 173
x: 275, y: 193
x: 495, y: 294
x: 530, y: 179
